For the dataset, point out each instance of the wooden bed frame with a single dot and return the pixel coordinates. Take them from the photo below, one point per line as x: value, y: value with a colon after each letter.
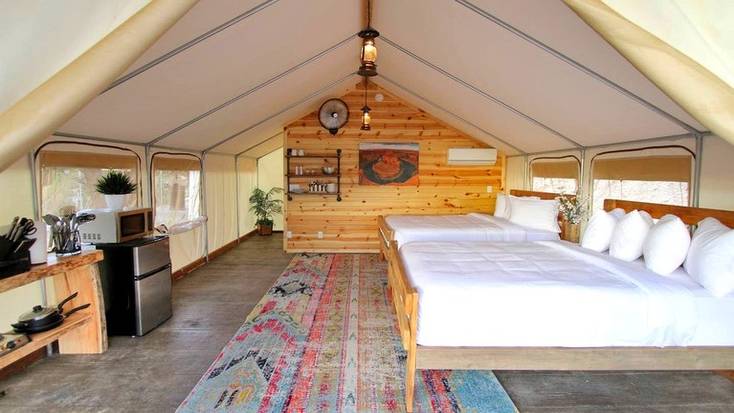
x: 405, y: 300
x: 386, y: 234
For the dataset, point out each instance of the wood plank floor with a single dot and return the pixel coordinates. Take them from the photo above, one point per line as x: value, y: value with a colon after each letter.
x: 155, y: 372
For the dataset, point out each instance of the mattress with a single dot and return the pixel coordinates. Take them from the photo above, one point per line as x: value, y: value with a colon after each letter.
x: 469, y: 227
x: 556, y: 294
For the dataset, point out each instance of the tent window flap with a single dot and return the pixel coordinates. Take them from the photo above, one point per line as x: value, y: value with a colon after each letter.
x: 649, y: 168
x: 555, y: 169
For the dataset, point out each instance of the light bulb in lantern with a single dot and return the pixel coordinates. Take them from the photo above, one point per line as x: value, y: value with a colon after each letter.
x: 366, y: 118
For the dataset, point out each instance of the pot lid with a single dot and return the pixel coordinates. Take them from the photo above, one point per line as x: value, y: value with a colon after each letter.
x: 39, y: 313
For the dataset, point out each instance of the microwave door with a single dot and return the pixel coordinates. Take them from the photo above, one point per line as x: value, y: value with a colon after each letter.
x: 132, y: 226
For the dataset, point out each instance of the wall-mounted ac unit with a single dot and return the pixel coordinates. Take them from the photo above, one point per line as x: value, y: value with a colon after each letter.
x: 472, y: 156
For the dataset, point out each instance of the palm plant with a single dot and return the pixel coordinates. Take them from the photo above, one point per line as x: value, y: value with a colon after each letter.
x: 264, y: 206
x: 116, y: 183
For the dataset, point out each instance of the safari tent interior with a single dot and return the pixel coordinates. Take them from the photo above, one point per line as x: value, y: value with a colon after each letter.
x: 429, y: 206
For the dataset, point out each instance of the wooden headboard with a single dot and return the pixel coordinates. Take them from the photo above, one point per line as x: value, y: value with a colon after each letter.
x: 541, y: 195
x: 689, y: 215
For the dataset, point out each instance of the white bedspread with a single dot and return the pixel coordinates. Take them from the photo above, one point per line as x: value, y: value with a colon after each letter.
x: 543, y: 294
x: 469, y: 227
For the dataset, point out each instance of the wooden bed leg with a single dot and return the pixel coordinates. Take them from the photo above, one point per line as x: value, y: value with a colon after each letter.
x: 410, y: 380
x: 412, y: 309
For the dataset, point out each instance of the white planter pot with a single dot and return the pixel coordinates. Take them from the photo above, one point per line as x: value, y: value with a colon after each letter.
x: 115, y: 202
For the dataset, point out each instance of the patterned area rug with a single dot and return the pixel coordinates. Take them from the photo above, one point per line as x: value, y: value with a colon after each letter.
x: 325, y: 339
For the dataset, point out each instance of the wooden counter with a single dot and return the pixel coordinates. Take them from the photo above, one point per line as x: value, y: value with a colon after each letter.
x: 84, y: 332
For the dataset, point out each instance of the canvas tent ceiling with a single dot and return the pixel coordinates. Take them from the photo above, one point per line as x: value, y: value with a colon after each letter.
x: 525, y: 76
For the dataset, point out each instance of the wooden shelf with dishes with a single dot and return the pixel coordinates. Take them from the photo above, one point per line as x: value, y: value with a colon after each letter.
x: 295, y: 171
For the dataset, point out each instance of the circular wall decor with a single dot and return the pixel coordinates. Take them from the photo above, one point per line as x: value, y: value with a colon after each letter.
x: 333, y: 114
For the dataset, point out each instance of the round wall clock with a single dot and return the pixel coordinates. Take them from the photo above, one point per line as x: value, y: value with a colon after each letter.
x: 333, y: 114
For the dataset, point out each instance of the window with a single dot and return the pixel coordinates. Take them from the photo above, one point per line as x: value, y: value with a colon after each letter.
x: 559, y: 175
x: 68, y: 176
x: 176, y: 187
x: 660, y: 175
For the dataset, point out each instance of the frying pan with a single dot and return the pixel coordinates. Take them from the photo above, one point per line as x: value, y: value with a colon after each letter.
x: 45, y: 318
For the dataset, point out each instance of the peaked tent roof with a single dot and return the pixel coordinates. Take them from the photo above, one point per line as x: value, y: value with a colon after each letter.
x: 524, y: 76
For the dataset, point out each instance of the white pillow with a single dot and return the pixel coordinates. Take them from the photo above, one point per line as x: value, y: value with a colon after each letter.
x: 599, y: 230
x: 502, y: 206
x: 629, y: 235
x: 535, y: 213
x: 666, y: 245
x: 710, y: 259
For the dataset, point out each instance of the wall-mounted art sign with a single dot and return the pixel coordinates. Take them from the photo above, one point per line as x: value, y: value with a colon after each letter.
x: 388, y: 164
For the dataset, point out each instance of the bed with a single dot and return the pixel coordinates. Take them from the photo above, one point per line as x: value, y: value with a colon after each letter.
x: 500, y: 306
x: 401, y: 229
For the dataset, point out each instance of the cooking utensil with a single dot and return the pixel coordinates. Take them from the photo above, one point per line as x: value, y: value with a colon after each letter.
x: 9, y: 235
x: 50, y: 220
x: 45, y: 318
x: 65, y: 232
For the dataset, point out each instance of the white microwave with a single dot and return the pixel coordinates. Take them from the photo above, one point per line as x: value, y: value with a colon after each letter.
x: 116, y: 226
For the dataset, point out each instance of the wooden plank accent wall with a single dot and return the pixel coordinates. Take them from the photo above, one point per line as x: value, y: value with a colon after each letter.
x: 351, y: 225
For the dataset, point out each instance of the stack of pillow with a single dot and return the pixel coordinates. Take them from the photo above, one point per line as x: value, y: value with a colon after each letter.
x: 529, y: 212
x: 708, y: 257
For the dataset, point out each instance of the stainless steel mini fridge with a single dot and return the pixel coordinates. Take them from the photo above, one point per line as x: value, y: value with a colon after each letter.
x: 136, y: 280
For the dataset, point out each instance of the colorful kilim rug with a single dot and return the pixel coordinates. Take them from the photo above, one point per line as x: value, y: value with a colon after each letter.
x: 325, y: 339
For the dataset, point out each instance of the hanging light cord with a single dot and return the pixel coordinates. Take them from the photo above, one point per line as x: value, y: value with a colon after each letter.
x: 369, y: 13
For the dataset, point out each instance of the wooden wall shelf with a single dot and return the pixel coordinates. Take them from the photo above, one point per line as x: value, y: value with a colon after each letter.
x: 84, y: 332
x: 290, y: 174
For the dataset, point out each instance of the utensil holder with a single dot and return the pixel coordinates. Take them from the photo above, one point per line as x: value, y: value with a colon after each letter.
x: 66, y: 243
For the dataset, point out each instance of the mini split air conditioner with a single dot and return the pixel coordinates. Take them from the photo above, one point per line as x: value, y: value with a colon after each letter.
x: 472, y: 156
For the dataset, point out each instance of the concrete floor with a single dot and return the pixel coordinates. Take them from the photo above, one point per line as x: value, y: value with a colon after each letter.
x: 156, y: 372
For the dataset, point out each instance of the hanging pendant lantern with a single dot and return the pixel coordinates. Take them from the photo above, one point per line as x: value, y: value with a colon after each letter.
x: 368, y: 54
x: 366, y: 118
x: 365, y: 110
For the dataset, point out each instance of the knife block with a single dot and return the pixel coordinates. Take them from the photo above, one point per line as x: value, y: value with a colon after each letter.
x: 15, y: 264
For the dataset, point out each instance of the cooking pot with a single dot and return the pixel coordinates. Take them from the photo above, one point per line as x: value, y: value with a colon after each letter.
x: 45, y: 318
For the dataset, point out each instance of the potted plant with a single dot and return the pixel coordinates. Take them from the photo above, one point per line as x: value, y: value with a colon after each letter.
x: 573, y: 210
x: 115, y: 186
x: 264, y: 206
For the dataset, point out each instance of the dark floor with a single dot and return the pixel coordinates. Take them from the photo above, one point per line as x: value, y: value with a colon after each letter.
x: 156, y: 372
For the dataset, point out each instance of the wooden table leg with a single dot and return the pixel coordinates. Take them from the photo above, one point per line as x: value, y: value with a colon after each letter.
x: 92, y: 337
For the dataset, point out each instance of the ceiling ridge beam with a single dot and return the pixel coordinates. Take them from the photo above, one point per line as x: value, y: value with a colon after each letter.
x: 462, y: 119
x: 577, y: 65
x: 480, y: 91
x: 280, y: 112
x: 254, y: 89
x: 191, y: 43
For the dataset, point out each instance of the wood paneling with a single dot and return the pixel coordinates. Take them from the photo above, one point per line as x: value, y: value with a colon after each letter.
x: 351, y: 225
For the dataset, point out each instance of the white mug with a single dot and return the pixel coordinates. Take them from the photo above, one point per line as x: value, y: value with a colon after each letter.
x: 301, y: 152
x: 331, y: 188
